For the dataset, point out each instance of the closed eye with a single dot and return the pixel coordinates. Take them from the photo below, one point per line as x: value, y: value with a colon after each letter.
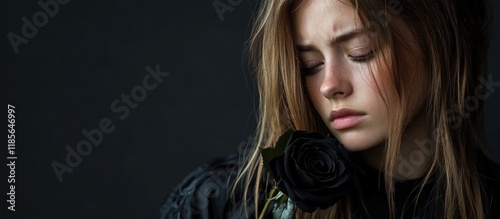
x: 310, y: 70
x: 362, y: 58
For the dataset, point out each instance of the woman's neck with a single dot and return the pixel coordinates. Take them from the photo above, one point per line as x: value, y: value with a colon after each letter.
x: 415, y: 152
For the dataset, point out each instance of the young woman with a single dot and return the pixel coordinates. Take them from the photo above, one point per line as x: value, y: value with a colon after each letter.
x: 399, y: 83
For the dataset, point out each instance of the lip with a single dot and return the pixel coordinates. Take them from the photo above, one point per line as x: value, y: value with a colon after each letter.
x: 345, y: 118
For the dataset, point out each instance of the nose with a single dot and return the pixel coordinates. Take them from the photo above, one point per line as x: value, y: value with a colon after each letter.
x: 336, y: 83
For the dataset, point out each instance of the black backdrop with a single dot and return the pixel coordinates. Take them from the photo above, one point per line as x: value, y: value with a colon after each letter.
x: 77, y: 71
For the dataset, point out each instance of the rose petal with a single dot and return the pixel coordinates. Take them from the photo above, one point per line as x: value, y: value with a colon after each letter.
x: 313, y: 171
x: 321, y: 162
x: 299, y: 178
x: 279, y: 172
x: 339, y: 182
x: 295, y: 174
x: 290, y: 191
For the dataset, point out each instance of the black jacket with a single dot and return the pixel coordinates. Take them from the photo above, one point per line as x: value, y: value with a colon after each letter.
x: 205, y: 193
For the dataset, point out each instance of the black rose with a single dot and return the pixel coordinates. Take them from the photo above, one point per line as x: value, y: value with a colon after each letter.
x: 313, y: 171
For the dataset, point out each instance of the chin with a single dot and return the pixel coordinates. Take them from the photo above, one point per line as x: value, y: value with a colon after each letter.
x: 358, y: 147
x: 355, y: 141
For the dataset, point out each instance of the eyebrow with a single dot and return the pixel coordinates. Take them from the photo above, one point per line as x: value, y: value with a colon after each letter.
x: 346, y: 36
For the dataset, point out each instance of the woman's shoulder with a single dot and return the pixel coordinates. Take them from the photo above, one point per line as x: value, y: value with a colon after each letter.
x: 203, y: 193
x: 206, y: 193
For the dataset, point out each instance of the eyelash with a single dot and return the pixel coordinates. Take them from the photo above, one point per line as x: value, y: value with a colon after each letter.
x: 309, y: 71
x: 361, y: 58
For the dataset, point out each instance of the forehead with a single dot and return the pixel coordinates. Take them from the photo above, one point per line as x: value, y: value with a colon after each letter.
x: 322, y: 18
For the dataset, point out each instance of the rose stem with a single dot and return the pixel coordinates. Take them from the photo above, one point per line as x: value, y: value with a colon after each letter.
x: 268, y: 202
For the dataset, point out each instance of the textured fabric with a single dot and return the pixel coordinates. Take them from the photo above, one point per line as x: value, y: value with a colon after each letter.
x: 204, y: 194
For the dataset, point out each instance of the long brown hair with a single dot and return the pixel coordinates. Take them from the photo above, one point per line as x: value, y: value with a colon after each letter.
x: 453, y: 39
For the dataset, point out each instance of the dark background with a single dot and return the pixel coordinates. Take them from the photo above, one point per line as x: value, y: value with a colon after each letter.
x: 90, y: 53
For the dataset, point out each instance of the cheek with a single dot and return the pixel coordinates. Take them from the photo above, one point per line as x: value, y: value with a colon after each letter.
x: 313, y: 83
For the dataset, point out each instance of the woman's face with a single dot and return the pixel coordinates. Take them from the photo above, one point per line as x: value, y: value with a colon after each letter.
x: 336, y: 57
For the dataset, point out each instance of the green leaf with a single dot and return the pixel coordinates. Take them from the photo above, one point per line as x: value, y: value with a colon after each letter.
x: 282, y: 198
x: 279, y: 149
x: 267, y: 155
x: 282, y: 140
x: 285, y: 210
